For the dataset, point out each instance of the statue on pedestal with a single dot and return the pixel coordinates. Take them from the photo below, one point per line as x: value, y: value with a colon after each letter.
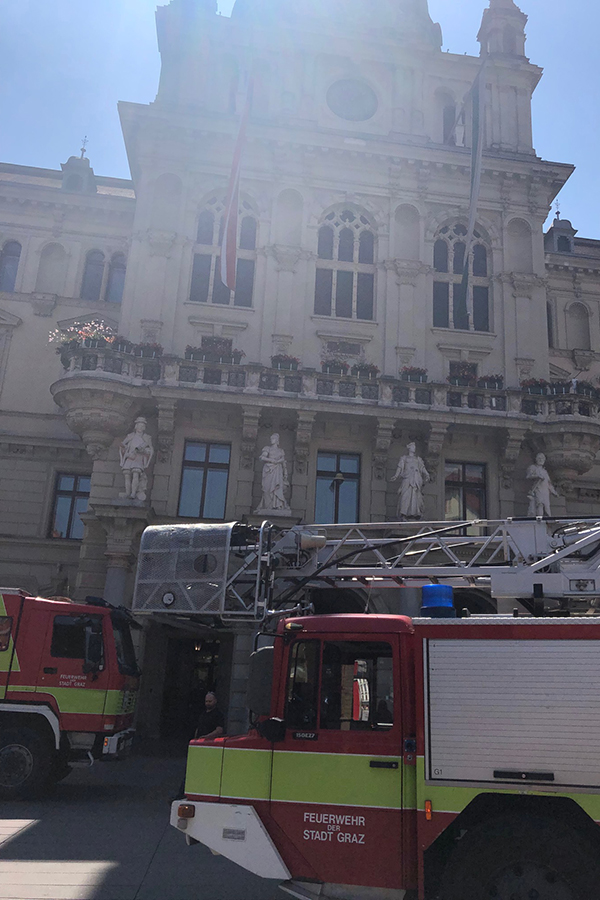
x: 275, y: 479
x: 539, y: 495
x: 413, y: 476
x: 135, y: 453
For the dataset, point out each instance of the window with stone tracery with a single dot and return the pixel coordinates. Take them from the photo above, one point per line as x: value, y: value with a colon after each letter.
x: 345, y: 280
x: 449, y: 308
x: 206, y: 285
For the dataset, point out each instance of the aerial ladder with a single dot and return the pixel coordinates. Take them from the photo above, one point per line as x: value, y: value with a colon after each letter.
x: 239, y: 572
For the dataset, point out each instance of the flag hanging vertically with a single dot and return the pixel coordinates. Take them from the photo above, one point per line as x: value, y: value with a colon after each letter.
x: 232, y: 203
x: 461, y: 316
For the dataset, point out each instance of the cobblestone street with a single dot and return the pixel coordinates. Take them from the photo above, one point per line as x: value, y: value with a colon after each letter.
x: 105, y: 836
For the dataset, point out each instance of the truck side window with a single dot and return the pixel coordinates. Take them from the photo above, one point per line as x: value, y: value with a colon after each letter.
x: 68, y: 635
x: 5, y: 629
x: 303, y: 686
x: 357, y: 691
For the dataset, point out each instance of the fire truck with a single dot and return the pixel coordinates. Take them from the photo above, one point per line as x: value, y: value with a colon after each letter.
x: 442, y: 755
x: 68, y: 685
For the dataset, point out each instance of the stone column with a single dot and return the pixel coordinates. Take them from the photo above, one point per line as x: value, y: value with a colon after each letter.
x: 167, y: 410
x: 379, y: 479
x: 245, y: 476
x: 299, y: 469
x: 509, y: 455
x: 435, y: 490
x: 123, y: 522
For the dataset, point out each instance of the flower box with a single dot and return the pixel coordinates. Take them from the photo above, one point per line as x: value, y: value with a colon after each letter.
x: 285, y: 366
x: 586, y: 390
x: 558, y: 389
x: 94, y: 343
x: 414, y: 379
x: 365, y: 372
x: 122, y: 346
x: 491, y: 382
x: 460, y: 381
x: 536, y: 389
x: 147, y: 353
x: 334, y: 369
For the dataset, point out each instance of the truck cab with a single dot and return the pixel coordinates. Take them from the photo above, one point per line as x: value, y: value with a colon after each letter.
x: 68, y: 687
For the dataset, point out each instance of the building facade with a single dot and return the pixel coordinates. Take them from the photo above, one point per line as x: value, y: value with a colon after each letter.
x: 346, y: 334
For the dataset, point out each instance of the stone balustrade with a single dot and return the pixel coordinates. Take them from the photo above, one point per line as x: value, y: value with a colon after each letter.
x: 254, y: 378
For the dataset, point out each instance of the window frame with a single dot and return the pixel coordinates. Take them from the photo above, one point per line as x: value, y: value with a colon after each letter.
x: 452, y: 278
x: 75, y: 495
x: 5, y: 265
x: 464, y: 484
x: 216, y: 207
x: 205, y: 466
x: 338, y: 225
x: 348, y: 476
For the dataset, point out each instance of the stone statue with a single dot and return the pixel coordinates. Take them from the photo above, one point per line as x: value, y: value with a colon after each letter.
x: 539, y: 495
x: 274, y: 478
x: 413, y: 476
x: 136, y: 452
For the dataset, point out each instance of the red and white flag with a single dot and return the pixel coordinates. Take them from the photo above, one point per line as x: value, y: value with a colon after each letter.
x: 232, y: 204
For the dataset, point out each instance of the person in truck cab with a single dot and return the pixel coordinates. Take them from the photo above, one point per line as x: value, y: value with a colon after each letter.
x: 211, y: 723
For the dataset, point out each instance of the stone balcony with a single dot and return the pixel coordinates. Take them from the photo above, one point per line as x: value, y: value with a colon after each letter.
x: 198, y: 378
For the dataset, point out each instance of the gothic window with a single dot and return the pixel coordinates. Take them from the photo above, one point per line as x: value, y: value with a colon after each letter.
x: 93, y: 275
x: 9, y: 264
x: 206, y: 286
x: 449, y: 307
x: 345, y: 280
x: 116, y: 278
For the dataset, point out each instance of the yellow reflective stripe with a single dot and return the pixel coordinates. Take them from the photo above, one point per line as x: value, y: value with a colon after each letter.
x: 246, y: 774
x: 336, y: 779
x: 69, y: 700
x: 203, y: 773
x: 6, y: 655
x: 114, y: 703
x: 453, y: 799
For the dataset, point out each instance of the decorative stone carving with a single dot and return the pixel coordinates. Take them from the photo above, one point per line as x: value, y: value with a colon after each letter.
x: 286, y: 258
x: 383, y: 440
x: 166, y: 429
x: 251, y: 416
x: 43, y: 304
x: 413, y: 476
x: 96, y: 413
x: 539, y: 495
x: 583, y: 359
x: 135, y: 453
x: 510, y: 454
x: 571, y: 450
x: 303, y: 439
x: 435, y: 444
x: 275, y: 480
x: 524, y: 367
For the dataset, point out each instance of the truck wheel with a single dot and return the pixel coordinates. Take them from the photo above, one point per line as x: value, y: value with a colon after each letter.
x: 26, y: 763
x: 521, y: 856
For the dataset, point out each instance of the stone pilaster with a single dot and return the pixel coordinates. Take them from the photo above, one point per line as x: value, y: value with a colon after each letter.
x: 250, y: 422
x: 379, y: 484
x: 299, y: 473
x: 509, y: 454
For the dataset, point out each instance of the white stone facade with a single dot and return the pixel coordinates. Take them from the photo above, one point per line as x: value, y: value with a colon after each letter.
x: 352, y: 130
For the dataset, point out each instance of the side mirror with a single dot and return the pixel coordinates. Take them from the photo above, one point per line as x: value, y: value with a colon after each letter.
x: 273, y: 730
x: 94, y: 651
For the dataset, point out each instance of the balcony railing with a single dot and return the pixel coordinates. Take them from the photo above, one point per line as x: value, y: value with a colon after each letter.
x: 253, y: 378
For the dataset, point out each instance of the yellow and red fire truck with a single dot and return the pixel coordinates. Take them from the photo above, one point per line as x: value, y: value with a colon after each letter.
x: 68, y: 685
x: 392, y: 756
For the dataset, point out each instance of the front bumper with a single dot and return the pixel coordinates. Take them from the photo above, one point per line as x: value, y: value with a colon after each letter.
x: 117, y: 745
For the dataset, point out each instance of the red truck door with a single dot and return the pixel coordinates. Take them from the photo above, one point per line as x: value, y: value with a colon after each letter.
x: 80, y: 696
x: 337, y: 777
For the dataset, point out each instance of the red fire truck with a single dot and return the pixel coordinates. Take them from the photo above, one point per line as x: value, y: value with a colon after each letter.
x: 68, y: 685
x: 390, y: 756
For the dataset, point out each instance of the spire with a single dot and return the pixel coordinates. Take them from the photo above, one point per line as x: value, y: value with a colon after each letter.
x: 502, y: 31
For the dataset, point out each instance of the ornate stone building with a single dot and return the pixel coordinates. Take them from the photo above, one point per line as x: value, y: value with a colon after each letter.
x: 343, y: 335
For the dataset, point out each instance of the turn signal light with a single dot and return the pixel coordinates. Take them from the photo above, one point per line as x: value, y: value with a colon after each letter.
x: 186, y: 811
x: 428, y: 810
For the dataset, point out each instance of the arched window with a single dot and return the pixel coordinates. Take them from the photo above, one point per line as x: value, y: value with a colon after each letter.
x: 93, y: 275
x: 451, y: 309
x: 52, y: 270
x: 206, y: 283
x: 563, y: 244
x: 345, y: 281
x: 578, y: 327
x: 116, y: 278
x: 9, y: 264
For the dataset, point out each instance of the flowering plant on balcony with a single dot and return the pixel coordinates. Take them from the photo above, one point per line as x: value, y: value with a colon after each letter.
x: 284, y: 361
x: 365, y: 370
x: 413, y: 373
x: 462, y: 373
x: 333, y: 364
x: 83, y: 333
x: 535, y: 385
x: 492, y: 382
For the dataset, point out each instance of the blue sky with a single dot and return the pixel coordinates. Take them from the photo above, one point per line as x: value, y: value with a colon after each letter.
x: 64, y: 64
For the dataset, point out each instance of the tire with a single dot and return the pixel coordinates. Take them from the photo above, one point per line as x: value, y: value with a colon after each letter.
x: 522, y: 856
x: 26, y: 764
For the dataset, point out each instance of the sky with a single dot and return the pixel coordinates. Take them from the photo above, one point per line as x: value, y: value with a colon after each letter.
x: 64, y: 65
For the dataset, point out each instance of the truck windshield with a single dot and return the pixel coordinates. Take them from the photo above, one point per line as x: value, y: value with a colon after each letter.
x: 124, y: 645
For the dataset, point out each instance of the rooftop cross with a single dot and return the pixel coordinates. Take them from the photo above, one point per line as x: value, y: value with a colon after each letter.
x: 84, y: 144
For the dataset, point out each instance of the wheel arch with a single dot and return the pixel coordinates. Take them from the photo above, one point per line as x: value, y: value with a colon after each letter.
x: 40, y: 718
x: 486, y: 807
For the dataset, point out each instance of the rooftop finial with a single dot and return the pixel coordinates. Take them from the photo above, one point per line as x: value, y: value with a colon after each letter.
x: 558, y: 209
x: 84, y: 144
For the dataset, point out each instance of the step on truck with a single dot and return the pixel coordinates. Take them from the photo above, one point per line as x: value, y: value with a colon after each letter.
x: 392, y: 757
x: 68, y: 686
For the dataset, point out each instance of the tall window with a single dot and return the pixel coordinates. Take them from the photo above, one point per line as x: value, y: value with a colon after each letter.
x: 345, y: 283
x: 450, y: 308
x: 206, y: 279
x: 71, y: 497
x: 9, y: 264
x: 204, y: 480
x: 98, y: 283
x: 465, y: 491
x: 338, y: 487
